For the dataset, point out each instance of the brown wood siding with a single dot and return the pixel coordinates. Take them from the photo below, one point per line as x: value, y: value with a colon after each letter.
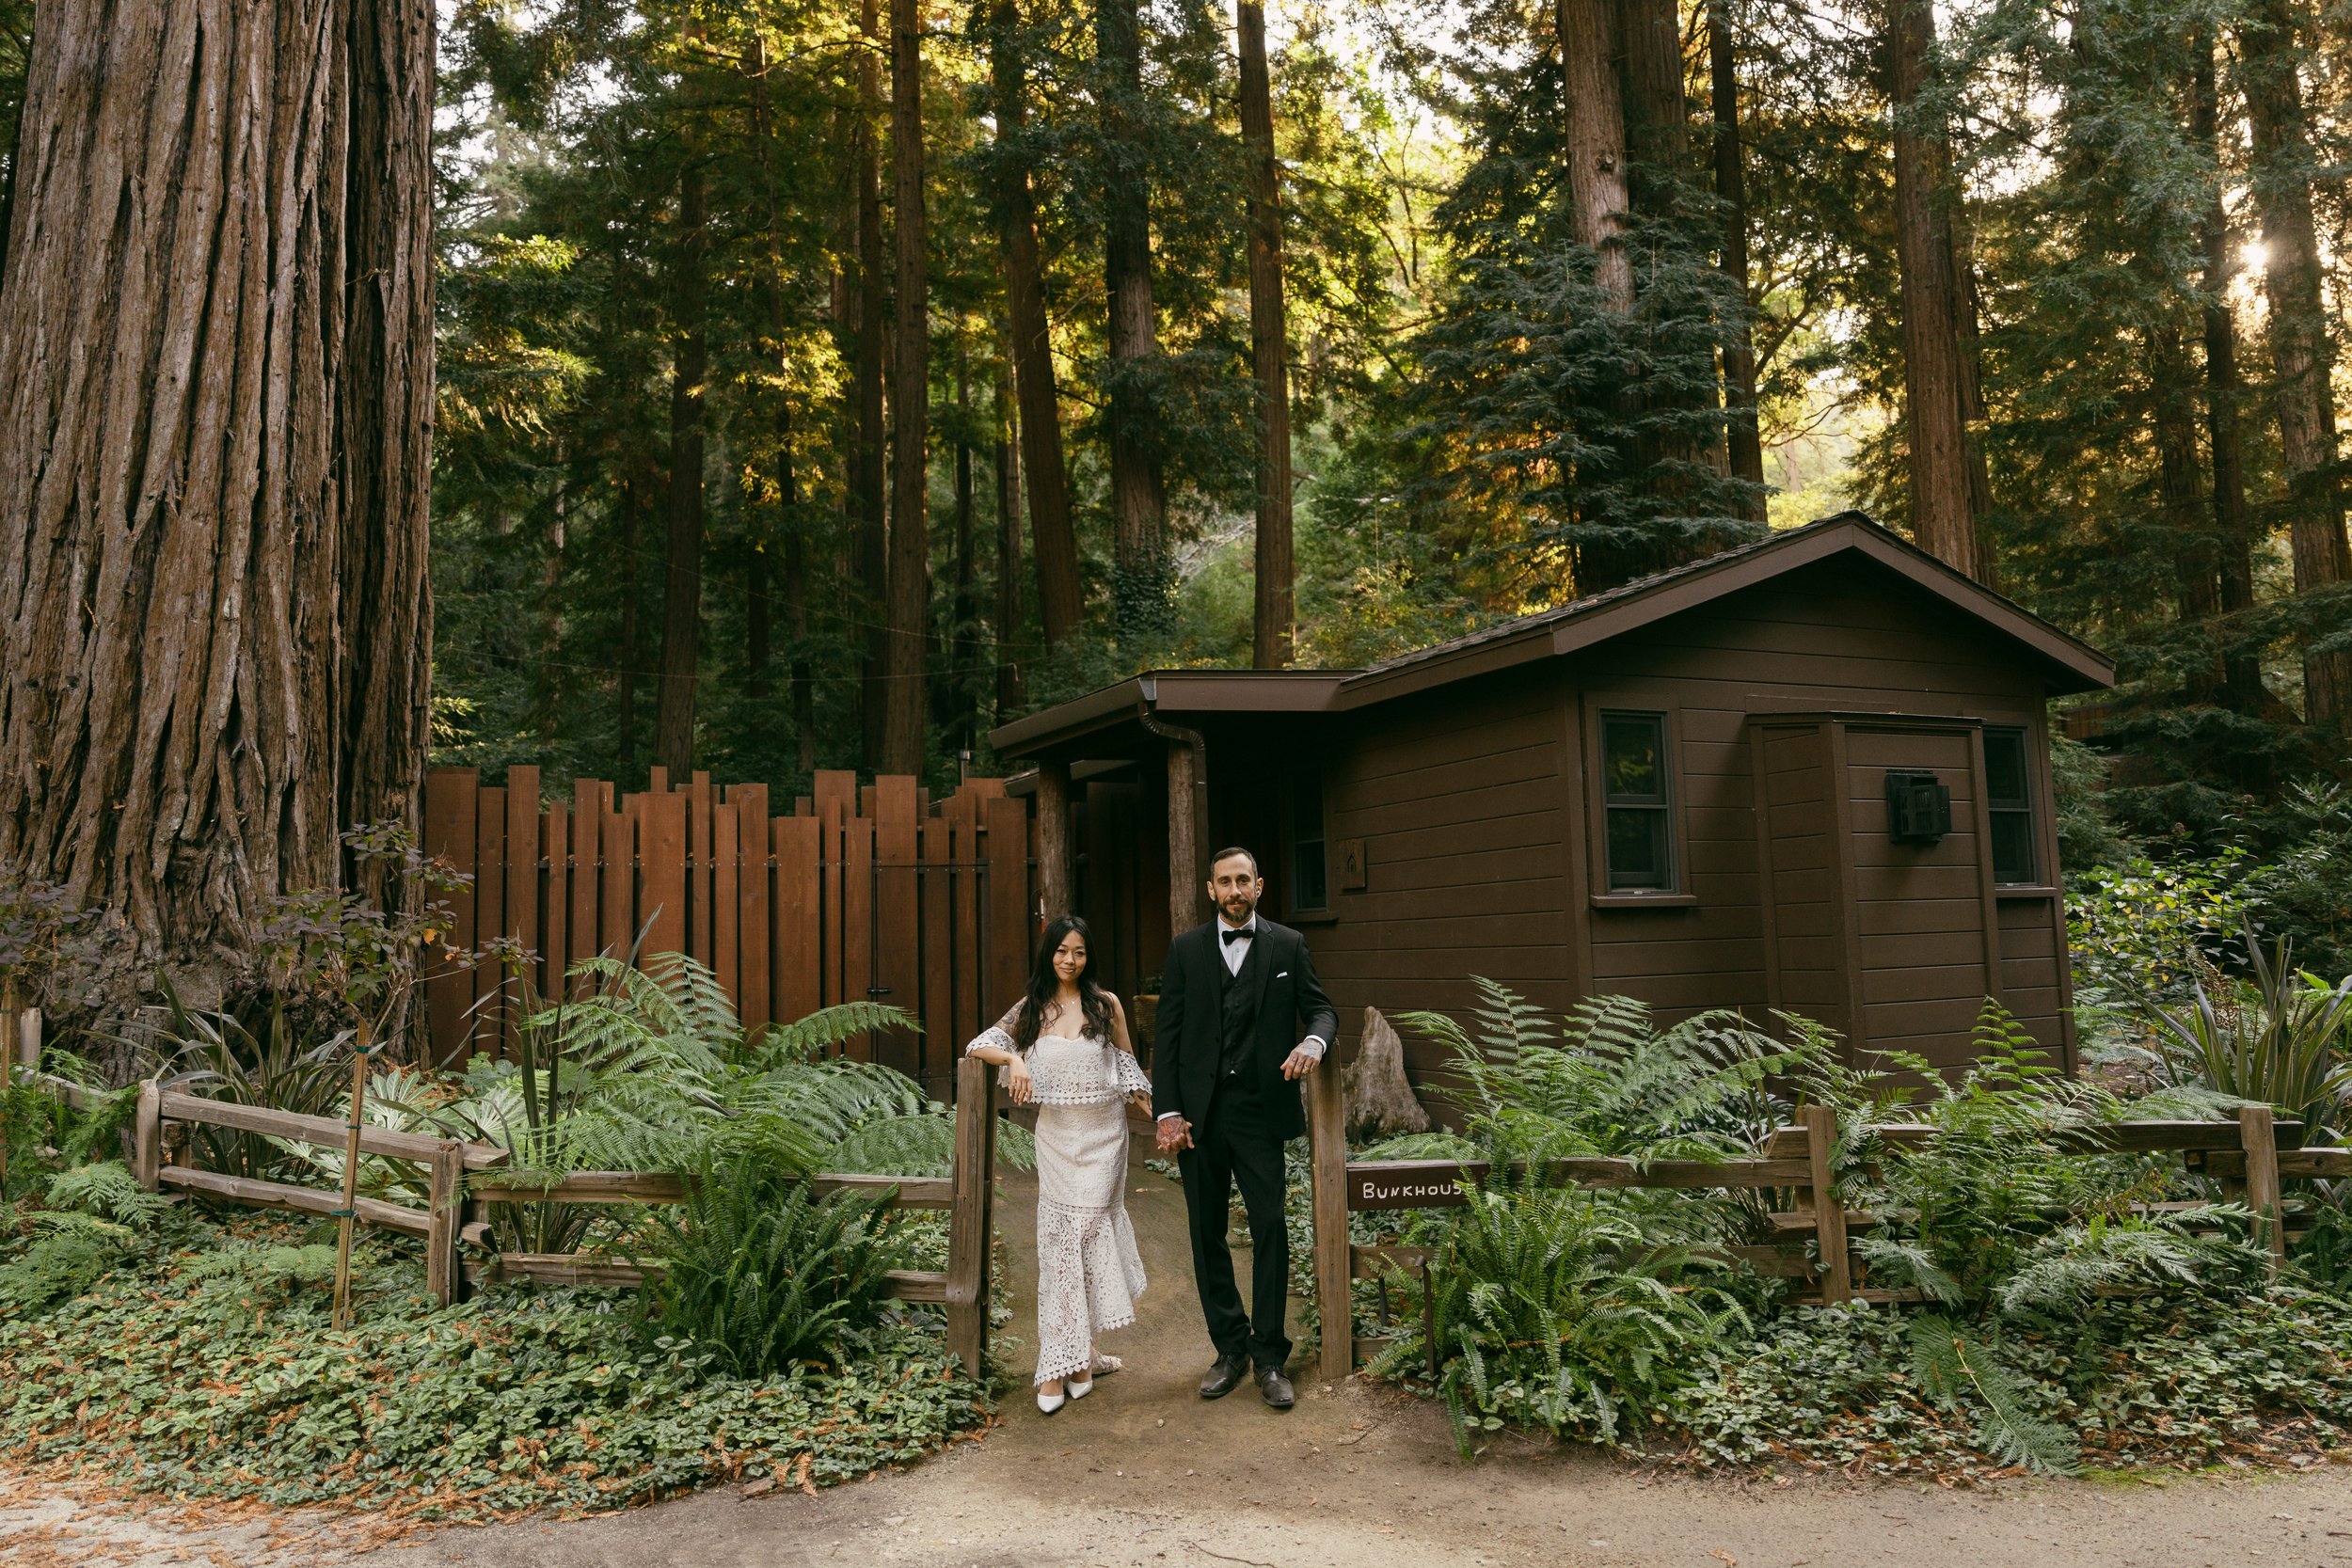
x: 1458, y: 799
x: 1806, y: 913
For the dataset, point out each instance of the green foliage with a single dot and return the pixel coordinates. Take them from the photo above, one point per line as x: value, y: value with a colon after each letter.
x: 239, y: 1387
x: 2280, y: 1041
x: 259, y: 1055
x: 1954, y: 1371
x: 759, y: 1275
x: 97, y: 1218
x: 2145, y: 926
x: 1555, y: 1307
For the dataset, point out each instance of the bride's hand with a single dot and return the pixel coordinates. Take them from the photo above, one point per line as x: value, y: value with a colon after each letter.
x: 1017, y: 1085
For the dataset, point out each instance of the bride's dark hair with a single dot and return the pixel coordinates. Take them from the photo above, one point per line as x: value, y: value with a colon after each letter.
x: 1093, y: 1001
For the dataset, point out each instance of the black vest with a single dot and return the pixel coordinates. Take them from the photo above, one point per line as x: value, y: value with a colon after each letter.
x: 1239, y: 1017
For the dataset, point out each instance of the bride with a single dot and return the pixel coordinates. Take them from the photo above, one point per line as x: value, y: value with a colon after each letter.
x: 1064, y: 1048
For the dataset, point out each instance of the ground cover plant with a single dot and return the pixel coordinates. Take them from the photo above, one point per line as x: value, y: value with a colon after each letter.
x: 173, y: 1353
x: 2069, y: 1311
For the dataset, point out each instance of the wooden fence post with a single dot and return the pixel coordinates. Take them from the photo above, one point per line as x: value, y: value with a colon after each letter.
x: 27, y: 1037
x: 445, y: 1212
x: 968, y: 1225
x: 2258, y: 1135
x: 146, y: 1137
x: 1829, y: 1204
x: 1326, y: 1129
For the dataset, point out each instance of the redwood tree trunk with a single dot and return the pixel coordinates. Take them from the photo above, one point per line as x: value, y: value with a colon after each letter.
x: 1941, y: 521
x: 1139, y: 499
x: 1010, y: 692
x: 1269, y: 347
x: 1742, y: 442
x: 868, y: 497
x: 910, y: 400
x: 2300, y: 355
x: 2225, y: 395
x: 216, y: 429
x: 1059, y: 604
x: 682, y: 556
x: 1594, y: 116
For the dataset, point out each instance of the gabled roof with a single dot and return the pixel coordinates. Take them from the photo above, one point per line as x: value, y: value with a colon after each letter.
x: 2069, y: 663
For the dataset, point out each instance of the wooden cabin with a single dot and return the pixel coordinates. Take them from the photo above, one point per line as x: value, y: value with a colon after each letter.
x: 1811, y: 773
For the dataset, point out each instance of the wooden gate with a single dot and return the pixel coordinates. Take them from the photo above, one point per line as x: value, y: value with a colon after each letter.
x: 875, y: 893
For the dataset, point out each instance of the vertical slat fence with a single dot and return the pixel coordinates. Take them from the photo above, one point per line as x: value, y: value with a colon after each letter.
x: 867, y: 891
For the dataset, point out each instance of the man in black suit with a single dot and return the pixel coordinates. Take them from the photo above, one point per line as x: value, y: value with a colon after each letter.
x: 1226, y: 1057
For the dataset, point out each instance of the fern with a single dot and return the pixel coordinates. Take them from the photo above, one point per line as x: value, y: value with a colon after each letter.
x: 1954, y: 1371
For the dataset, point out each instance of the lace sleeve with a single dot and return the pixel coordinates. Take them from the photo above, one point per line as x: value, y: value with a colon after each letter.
x: 999, y: 1034
x: 1127, y: 1073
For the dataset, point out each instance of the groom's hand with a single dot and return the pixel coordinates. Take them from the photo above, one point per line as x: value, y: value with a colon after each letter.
x: 1300, y: 1062
x: 1173, y: 1133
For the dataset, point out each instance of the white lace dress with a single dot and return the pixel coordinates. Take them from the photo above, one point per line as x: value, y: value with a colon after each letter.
x: 1088, y: 1273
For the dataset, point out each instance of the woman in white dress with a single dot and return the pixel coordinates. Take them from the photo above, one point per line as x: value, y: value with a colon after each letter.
x: 1064, y: 1048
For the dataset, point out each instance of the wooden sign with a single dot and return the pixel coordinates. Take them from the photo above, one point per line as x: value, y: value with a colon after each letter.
x: 1410, y: 1183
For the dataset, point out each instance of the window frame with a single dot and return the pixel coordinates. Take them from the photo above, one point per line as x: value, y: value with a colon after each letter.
x: 1598, y: 708
x: 2026, y: 806
x: 1293, y: 779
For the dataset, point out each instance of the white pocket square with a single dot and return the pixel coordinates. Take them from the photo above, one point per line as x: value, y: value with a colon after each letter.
x: 1284, y: 976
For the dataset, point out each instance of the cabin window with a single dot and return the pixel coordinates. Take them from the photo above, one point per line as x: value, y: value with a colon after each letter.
x: 1636, y: 802
x: 2009, y: 799
x: 1310, y: 881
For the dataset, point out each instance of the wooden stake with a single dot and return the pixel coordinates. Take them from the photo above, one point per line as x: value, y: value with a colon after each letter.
x: 344, y: 1213
x: 1829, y: 1204
x: 1327, y: 1123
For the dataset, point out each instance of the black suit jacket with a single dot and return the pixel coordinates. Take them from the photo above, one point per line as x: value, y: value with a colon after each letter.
x: 1186, y: 1043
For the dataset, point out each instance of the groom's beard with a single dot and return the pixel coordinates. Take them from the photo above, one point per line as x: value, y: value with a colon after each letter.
x: 1237, y: 910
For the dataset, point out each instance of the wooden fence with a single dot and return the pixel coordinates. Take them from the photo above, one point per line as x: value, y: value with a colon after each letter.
x: 876, y: 893
x: 1810, y: 1240
x: 465, y: 1178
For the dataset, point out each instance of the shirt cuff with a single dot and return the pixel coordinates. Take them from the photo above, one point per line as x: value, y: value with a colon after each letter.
x: 1166, y: 1116
x: 1317, y: 1044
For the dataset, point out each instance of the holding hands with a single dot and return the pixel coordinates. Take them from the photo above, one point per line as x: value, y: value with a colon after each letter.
x: 1173, y: 1133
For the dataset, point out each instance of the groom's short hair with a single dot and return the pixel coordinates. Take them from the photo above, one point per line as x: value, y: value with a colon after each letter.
x: 1237, y: 852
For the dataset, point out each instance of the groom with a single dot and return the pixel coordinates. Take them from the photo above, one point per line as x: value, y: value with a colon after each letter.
x: 1226, y: 1057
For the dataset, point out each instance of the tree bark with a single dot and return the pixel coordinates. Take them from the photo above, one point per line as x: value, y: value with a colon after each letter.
x: 910, y: 504
x: 1010, y: 687
x: 869, y: 493
x: 1599, y: 196
x: 632, y: 513
x: 1059, y: 604
x: 1743, y: 444
x: 1139, y: 499
x: 682, y: 556
x: 964, y: 716
x: 216, y: 431
x: 1942, y: 523
x: 2225, y: 393
x: 1276, y: 615
x: 2301, y: 357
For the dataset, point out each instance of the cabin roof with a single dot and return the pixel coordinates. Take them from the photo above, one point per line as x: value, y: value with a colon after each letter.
x: 2069, y: 663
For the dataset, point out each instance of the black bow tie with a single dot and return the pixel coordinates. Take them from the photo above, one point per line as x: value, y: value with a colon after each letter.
x: 1241, y: 934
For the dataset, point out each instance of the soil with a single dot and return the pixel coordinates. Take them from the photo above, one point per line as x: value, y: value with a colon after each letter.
x: 1143, y: 1472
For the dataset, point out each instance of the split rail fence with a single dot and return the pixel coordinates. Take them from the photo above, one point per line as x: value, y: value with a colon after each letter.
x: 874, y: 892
x: 465, y: 1178
x: 1810, y: 1240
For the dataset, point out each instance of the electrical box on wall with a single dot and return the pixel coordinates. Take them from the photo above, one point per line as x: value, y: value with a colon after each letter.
x: 1919, y: 806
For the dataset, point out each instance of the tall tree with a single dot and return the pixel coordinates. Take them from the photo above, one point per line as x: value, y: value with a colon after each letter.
x: 682, y: 557
x: 868, y: 492
x: 909, y: 597
x: 2225, y: 389
x: 1600, y: 194
x: 1742, y: 442
x: 1276, y: 615
x: 1934, y: 414
x: 214, y: 619
x: 1138, y: 499
x: 2302, y: 358
x: 1052, y: 538
x: 1010, y: 692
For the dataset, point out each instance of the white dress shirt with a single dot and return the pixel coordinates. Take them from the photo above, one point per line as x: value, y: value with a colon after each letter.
x: 1234, y: 953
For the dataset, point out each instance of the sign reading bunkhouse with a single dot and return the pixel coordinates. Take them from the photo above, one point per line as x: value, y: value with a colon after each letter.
x: 1411, y: 1183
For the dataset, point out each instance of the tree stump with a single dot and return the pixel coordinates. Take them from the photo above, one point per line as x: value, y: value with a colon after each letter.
x: 1379, y: 1100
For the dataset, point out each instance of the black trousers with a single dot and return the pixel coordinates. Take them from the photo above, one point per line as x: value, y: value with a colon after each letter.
x: 1234, y: 1144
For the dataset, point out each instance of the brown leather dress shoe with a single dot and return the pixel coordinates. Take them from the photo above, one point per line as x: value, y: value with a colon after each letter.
x: 1275, y: 1388
x: 1224, y: 1377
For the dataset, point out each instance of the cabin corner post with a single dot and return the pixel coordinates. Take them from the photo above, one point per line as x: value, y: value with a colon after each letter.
x: 1187, y: 821
x: 1326, y: 1127
x: 1056, y: 888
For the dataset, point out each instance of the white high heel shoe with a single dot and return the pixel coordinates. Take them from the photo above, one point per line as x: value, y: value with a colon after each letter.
x: 1051, y: 1402
x: 1079, y: 1391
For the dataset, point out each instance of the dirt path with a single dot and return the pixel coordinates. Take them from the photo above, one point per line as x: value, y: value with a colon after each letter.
x: 1143, y: 1472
